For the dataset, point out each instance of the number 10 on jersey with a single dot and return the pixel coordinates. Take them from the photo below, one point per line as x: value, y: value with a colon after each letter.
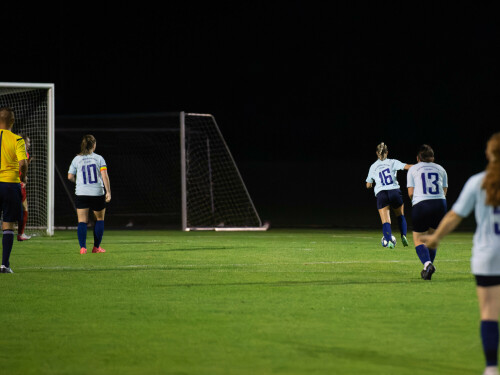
x: 89, y: 172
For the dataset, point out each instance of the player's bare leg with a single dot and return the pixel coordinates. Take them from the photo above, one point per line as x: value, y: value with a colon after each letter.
x: 98, y: 231
x: 83, y: 217
x: 400, y: 215
x: 385, y: 215
x: 21, y: 236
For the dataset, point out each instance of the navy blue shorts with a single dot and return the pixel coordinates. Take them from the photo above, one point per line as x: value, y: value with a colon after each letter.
x: 95, y: 203
x: 392, y: 198
x: 427, y: 214
x: 10, y: 201
x: 487, y: 281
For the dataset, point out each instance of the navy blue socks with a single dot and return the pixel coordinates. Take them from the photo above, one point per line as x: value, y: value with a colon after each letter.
x: 432, y: 254
x: 423, y: 254
x: 98, y: 232
x: 386, y: 230
x: 7, y: 242
x: 82, y: 234
x: 402, y: 225
x: 489, y: 335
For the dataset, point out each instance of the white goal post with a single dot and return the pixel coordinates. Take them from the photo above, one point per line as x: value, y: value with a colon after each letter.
x: 213, y: 193
x: 33, y: 105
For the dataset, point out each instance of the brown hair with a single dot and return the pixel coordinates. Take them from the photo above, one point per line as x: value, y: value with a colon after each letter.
x: 426, y: 154
x: 491, y: 182
x: 87, y: 145
x: 382, y: 151
x: 7, y: 116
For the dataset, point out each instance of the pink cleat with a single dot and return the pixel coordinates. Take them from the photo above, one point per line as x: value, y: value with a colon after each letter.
x: 83, y: 250
x: 98, y: 250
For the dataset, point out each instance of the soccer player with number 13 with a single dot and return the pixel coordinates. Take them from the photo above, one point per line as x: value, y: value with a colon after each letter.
x: 427, y: 187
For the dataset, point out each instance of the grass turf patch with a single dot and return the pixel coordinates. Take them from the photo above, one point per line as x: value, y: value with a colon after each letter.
x: 278, y: 302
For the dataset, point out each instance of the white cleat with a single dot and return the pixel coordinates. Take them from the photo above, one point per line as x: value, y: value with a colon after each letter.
x: 491, y: 370
x: 23, y: 237
x: 4, y: 269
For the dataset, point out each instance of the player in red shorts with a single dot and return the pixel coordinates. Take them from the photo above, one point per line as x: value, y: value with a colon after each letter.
x: 21, y: 236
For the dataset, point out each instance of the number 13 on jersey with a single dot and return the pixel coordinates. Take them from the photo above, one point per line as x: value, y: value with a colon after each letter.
x: 428, y: 180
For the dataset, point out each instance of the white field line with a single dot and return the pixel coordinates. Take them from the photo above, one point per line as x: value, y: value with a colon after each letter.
x: 240, y: 265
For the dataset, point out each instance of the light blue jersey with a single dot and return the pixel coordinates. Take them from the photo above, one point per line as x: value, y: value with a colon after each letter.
x: 87, y: 169
x: 384, y: 174
x: 486, y: 243
x: 427, y: 181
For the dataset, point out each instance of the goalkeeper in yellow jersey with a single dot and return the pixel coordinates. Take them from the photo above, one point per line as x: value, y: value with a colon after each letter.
x: 13, y: 168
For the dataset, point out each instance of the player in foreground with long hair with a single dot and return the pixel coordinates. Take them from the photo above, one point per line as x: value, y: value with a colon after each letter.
x: 427, y: 187
x: 383, y: 173
x: 481, y: 193
x: 12, y: 161
x: 21, y: 226
x: 89, y: 171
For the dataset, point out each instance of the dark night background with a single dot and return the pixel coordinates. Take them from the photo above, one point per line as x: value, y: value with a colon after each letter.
x: 302, y: 91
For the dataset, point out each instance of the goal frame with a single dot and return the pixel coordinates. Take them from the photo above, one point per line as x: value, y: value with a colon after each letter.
x: 185, y: 227
x: 50, y: 87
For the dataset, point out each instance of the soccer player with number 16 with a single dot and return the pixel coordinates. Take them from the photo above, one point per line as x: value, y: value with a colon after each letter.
x: 383, y: 172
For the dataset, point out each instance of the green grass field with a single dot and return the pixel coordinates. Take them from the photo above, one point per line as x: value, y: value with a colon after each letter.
x: 278, y: 302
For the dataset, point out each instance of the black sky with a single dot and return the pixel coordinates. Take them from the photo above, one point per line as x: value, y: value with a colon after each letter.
x: 292, y: 82
x: 286, y: 80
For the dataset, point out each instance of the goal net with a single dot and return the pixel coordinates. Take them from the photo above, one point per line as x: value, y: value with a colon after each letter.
x: 166, y: 170
x: 216, y: 196
x: 33, y: 105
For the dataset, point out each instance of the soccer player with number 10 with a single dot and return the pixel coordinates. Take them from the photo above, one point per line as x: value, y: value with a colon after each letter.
x: 89, y: 171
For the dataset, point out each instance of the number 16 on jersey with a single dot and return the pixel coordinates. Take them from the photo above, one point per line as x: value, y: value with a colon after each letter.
x: 385, y: 177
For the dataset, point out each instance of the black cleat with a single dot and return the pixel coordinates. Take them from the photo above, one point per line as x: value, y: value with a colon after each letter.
x: 4, y: 269
x: 427, y: 273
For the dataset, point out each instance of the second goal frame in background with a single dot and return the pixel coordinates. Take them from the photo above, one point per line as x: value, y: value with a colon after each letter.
x: 167, y: 170
x: 214, y: 195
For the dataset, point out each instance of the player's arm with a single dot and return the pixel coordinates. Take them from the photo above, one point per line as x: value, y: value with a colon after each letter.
x: 369, y: 179
x: 72, y: 177
x: 445, y: 182
x: 21, y: 157
x: 408, y: 166
x: 107, y: 186
x: 410, y: 184
x: 23, y: 168
x: 410, y: 192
